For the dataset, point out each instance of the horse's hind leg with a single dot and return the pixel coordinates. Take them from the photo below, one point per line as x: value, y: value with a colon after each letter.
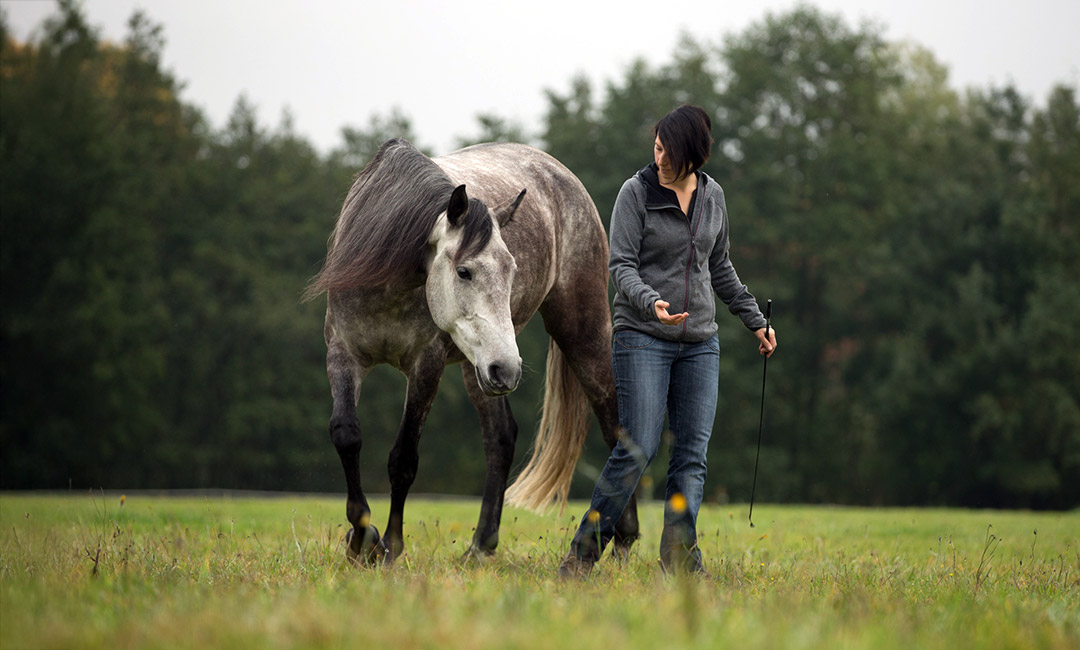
x: 581, y: 327
x: 405, y: 457
x: 345, y: 376
x: 500, y: 433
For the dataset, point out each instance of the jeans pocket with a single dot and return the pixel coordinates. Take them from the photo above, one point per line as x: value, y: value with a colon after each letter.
x: 714, y: 343
x: 633, y: 339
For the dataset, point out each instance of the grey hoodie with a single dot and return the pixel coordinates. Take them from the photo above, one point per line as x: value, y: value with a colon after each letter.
x: 657, y: 252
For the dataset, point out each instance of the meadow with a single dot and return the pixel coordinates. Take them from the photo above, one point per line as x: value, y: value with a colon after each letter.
x: 137, y: 571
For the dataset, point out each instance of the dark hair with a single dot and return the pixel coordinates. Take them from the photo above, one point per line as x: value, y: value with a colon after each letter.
x: 686, y: 134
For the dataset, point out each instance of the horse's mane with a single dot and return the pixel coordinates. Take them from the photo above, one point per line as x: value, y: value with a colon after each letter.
x: 382, y: 232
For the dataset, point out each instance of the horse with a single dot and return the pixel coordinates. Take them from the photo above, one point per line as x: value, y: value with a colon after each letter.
x: 421, y: 273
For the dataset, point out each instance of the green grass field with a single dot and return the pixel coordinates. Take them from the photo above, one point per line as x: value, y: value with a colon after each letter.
x: 157, y: 572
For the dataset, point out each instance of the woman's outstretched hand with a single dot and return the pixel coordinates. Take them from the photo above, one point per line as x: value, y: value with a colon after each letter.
x: 664, y: 317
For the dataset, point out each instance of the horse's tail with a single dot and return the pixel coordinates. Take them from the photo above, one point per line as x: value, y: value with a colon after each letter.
x: 558, y: 443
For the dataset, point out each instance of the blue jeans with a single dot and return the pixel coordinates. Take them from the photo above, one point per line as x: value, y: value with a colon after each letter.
x: 652, y: 376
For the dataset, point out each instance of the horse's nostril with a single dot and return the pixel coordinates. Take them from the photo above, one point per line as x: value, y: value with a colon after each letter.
x: 504, y: 376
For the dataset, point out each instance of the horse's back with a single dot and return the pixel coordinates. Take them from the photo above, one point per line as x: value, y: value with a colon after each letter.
x: 557, y: 216
x: 503, y: 169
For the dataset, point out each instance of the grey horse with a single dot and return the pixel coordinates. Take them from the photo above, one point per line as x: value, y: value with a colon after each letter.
x: 421, y: 273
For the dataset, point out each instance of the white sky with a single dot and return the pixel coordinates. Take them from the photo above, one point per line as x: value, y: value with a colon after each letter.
x: 334, y: 63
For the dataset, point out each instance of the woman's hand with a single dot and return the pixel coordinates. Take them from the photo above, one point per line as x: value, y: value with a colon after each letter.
x: 766, y: 347
x: 664, y: 317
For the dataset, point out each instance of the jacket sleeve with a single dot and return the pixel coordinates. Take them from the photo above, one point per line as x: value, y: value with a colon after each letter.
x: 725, y: 281
x: 627, y: 228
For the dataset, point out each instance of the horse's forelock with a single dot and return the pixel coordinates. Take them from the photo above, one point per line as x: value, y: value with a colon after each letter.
x: 478, y: 225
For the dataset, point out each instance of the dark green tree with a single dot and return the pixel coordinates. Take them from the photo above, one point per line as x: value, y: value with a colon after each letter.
x: 87, y: 130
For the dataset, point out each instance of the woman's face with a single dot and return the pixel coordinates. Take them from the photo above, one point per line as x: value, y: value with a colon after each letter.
x: 664, y: 170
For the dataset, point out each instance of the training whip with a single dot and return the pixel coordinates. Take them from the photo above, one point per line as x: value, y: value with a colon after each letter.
x: 761, y: 417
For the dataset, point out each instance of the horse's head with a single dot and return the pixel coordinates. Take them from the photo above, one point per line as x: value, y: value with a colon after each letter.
x: 470, y: 273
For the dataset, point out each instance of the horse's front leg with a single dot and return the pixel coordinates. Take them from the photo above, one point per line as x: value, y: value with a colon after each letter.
x: 500, y: 433
x: 405, y: 457
x: 346, y: 376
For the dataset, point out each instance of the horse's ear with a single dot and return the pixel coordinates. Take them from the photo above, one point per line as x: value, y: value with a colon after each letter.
x: 458, y: 206
x: 504, y: 214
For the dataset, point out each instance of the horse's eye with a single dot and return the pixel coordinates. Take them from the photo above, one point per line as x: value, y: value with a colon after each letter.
x: 464, y: 273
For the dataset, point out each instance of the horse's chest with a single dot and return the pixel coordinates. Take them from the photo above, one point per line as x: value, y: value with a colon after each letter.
x: 377, y: 330
x: 393, y: 342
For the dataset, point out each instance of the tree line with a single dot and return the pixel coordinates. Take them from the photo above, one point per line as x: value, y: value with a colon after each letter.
x: 920, y: 245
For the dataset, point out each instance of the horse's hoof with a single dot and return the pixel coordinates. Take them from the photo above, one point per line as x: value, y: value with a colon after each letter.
x: 394, y: 549
x: 620, y: 552
x: 620, y: 547
x: 366, y: 548
x: 477, y: 556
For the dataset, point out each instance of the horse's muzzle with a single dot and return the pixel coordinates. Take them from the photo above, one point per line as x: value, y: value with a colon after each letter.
x: 499, y: 378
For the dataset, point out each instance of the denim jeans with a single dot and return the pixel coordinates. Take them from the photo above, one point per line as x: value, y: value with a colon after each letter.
x: 654, y: 376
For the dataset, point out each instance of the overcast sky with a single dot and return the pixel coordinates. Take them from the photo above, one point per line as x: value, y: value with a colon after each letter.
x: 334, y: 63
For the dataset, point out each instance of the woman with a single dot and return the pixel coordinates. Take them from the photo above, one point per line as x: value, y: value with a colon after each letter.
x: 669, y: 255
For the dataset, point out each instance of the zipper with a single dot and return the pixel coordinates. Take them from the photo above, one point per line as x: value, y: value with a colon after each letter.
x: 692, y: 228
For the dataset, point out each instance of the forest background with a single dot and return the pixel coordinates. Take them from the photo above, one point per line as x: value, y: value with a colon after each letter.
x: 921, y: 246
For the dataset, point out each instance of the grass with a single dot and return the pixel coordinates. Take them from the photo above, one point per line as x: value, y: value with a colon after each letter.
x: 158, y: 572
